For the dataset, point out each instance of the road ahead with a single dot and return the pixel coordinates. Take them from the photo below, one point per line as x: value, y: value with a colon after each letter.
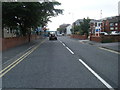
x: 65, y: 63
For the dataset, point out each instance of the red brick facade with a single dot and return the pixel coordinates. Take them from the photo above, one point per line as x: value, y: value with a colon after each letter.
x: 83, y: 37
x: 111, y: 24
x: 105, y: 26
x: 14, y: 41
x: 105, y: 38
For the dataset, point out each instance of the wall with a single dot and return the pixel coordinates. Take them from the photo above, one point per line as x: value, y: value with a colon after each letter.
x: 105, y: 38
x: 83, y: 37
x: 95, y: 38
x: 110, y: 38
x: 15, y: 41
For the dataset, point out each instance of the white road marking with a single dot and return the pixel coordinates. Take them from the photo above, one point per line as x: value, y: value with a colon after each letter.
x: 70, y: 50
x: 109, y: 50
x: 18, y: 54
x: 67, y: 47
x: 92, y: 71
x: 63, y: 44
x: 97, y: 76
x: 59, y: 41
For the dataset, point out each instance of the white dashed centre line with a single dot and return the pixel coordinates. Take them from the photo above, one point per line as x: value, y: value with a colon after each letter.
x: 92, y: 71
x: 96, y: 75
x: 63, y: 44
x: 67, y: 47
x: 70, y: 50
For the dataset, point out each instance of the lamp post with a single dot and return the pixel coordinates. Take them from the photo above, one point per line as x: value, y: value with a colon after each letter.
x: 72, y: 15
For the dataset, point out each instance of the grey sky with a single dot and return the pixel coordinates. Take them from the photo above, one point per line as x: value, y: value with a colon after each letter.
x: 79, y: 9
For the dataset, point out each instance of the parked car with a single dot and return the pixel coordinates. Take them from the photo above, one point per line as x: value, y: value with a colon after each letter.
x: 52, y: 37
x: 115, y: 33
x: 103, y: 33
x: 63, y: 34
x: 59, y: 34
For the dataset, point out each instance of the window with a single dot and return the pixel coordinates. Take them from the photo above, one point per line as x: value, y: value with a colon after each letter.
x: 7, y: 30
x: 116, y: 28
x: 99, y: 24
x: 111, y: 24
x: 111, y: 28
x: 95, y: 24
x: 10, y: 30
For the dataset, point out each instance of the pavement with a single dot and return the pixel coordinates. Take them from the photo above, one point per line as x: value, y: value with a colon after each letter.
x: 12, y: 53
x: 115, y: 46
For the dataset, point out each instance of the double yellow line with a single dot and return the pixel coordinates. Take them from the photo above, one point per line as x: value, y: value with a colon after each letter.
x: 13, y: 64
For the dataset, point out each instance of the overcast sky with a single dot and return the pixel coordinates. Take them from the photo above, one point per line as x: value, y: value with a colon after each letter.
x: 79, y: 9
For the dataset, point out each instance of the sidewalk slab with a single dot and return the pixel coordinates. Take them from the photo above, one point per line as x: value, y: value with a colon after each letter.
x: 18, y: 50
x: 113, y: 46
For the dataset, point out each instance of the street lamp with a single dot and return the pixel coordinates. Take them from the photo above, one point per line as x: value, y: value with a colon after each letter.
x: 72, y: 21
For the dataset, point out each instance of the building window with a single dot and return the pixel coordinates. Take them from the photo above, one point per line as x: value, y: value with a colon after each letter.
x: 111, y: 24
x: 95, y: 24
x: 116, y: 24
x: 10, y: 30
x: 7, y: 30
x: 99, y: 24
x: 116, y: 28
x: 111, y: 28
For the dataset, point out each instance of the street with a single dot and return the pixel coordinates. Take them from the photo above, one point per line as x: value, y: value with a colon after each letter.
x: 62, y: 63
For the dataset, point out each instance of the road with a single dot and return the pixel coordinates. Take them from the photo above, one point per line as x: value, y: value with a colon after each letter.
x: 65, y: 63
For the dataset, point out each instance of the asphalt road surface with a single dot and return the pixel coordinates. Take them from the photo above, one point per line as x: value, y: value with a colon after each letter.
x: 63, y: 63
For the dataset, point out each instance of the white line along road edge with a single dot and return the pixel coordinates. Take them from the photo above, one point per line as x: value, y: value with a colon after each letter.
x: 97, y: 76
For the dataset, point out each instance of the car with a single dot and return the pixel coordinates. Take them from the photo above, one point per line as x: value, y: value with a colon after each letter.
x: 59, y: 34
x: 115, y: 33
x: 103, y: 33
x: 63, y: 34
x: 52, y: 37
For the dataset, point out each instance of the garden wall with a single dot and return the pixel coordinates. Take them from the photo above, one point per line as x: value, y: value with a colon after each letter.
x: 15, y: 41
x: 82, y: 37
x: 105, y: 38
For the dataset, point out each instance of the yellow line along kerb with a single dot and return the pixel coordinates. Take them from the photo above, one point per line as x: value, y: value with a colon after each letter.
x: 13, y: 64
x: 109, y: 50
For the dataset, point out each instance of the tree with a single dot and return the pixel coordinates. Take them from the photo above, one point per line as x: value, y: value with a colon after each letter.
x: 85, y: 26
x: 82, y: 28
x: 28, y: 15
x: 76, y: 29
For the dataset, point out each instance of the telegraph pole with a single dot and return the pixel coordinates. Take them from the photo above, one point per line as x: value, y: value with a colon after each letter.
x: 100, y: 14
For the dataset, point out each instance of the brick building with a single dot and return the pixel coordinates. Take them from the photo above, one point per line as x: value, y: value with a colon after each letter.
x: 111, y: 24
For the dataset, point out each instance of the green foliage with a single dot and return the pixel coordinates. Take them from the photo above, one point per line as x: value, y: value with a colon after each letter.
x: 28, y: 15
x: 83, y: 27
x: 60, y: 30
x: 76, y: 28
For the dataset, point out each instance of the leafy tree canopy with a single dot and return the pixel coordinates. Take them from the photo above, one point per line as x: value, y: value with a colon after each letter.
x: 83, y: 27
x: 28, y: 14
